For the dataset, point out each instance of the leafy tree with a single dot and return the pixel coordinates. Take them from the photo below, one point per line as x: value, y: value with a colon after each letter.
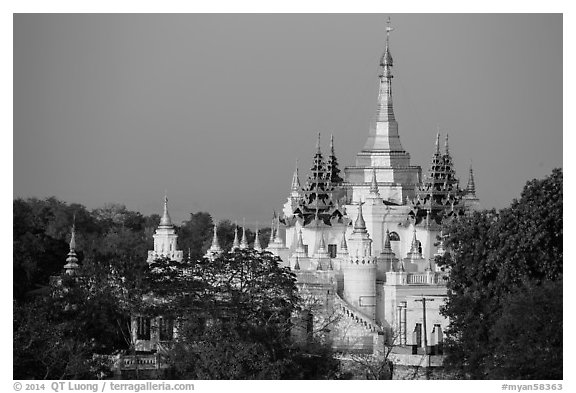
x: 496, y: 260
x: 195, y: 234
x: 234, y: 318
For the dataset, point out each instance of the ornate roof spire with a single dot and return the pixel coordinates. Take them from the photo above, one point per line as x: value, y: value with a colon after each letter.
x: 343, y: 244
x: 318, y: 150
x: 244, y: 241
x: 72, y: 261
x: 165, y: 221
x: 296, y: 265
x: 332, y: 145
x: 446, y: 146
x: 214, y: 248
x: 438, y: 140
x: 215, y: 243
x: 236, y: 243
x: 322, y: 245
x: 471, y: 187
x: 295, y: 180
x: 300, y: 242
x: 360, y: 224
x: 257, y: 245
x: 271, y: 233
x: 385, y: 109
x: 374, y: 184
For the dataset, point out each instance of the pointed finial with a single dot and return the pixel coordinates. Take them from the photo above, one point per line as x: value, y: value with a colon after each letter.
x: 73, y: 235
x: 446, y: 146
x: 387, y: 57
x: 215, y: 243
x: 343, y: 245
x: 374, y: 184
x: 387, y: 245
x: 165, y: 220
x: 360, y: 224
x: 72, y: 261
x: 244, y: 242
x: 322, y: 245
x: 332, y: 145
x: 438, y: 140
x: 257, y: 245
x: 296, y: 265
x: 236, y: 243
x: 271, y: 233
x: 414, y: 245
x: 318, y: 145
x: 295, y: 179
x: 471, y: 187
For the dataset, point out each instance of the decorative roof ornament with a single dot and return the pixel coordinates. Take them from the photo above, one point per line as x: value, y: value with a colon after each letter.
x: 471, y: 187
x: 438, y: 141
x: 165, y: 221
x: 236, y: 243
x: 387, y: 245
x: 271, y: 240
x: 215, y: 243
x: 318, y: 150
x: 332, y: 145
x: 71, y: 265
x: 387, y: 57
x: 300, y: 242
x: 343, y: 245
x: 374, y: 184
x: 257, y: 245
x: 360, y: 224
x: 296, y: 265
x: 244, y: 241
x: 446, y: 146
x: 295, y: 180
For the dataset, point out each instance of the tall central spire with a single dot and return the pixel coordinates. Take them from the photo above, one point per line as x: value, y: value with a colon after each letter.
x: 385, y: 108
x: 384, y: 136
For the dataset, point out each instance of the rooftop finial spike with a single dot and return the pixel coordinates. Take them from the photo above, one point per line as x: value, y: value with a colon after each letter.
x: 360, y: 224
x: 318, y: 145
x: 446, y: 146
x: 244, y: 242
x: 165, y: 220
x: 215, y: 243
x: 374, y: 183
x: 295, y: 179
x: 257, y: 245
x: 236, y: 243
x: 471, y: 187
x: 332, y: 145
x: 438, y: 140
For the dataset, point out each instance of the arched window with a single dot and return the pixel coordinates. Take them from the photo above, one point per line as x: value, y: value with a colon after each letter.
x: 394, y: 237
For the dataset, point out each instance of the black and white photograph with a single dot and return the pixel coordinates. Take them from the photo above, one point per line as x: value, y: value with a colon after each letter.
x: 287, y: 196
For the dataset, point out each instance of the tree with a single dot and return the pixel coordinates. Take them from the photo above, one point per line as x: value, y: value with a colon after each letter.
x: 195, y: 235
x: 497, y: 261
x: 234, y: 317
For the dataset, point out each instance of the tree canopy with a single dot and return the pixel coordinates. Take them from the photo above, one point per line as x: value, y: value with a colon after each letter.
x: 504, y: 292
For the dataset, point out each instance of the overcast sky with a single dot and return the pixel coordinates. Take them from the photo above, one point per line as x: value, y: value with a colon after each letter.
x: 216, y: 108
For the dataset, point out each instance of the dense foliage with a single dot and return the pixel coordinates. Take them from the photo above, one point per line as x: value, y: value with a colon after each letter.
x: 67, y: 327
x: 505, y: 287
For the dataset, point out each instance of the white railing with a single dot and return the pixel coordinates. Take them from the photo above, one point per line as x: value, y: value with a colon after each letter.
x: 422, y: 278
x: 357, y: 315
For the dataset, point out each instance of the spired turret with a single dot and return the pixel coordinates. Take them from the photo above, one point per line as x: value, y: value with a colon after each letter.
x: 236, y: 242
x: 244, y: 241
x: 165, y: 239
x: 257, y: 245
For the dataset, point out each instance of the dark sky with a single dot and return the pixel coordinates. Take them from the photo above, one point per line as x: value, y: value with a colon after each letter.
x: 216, y: 108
